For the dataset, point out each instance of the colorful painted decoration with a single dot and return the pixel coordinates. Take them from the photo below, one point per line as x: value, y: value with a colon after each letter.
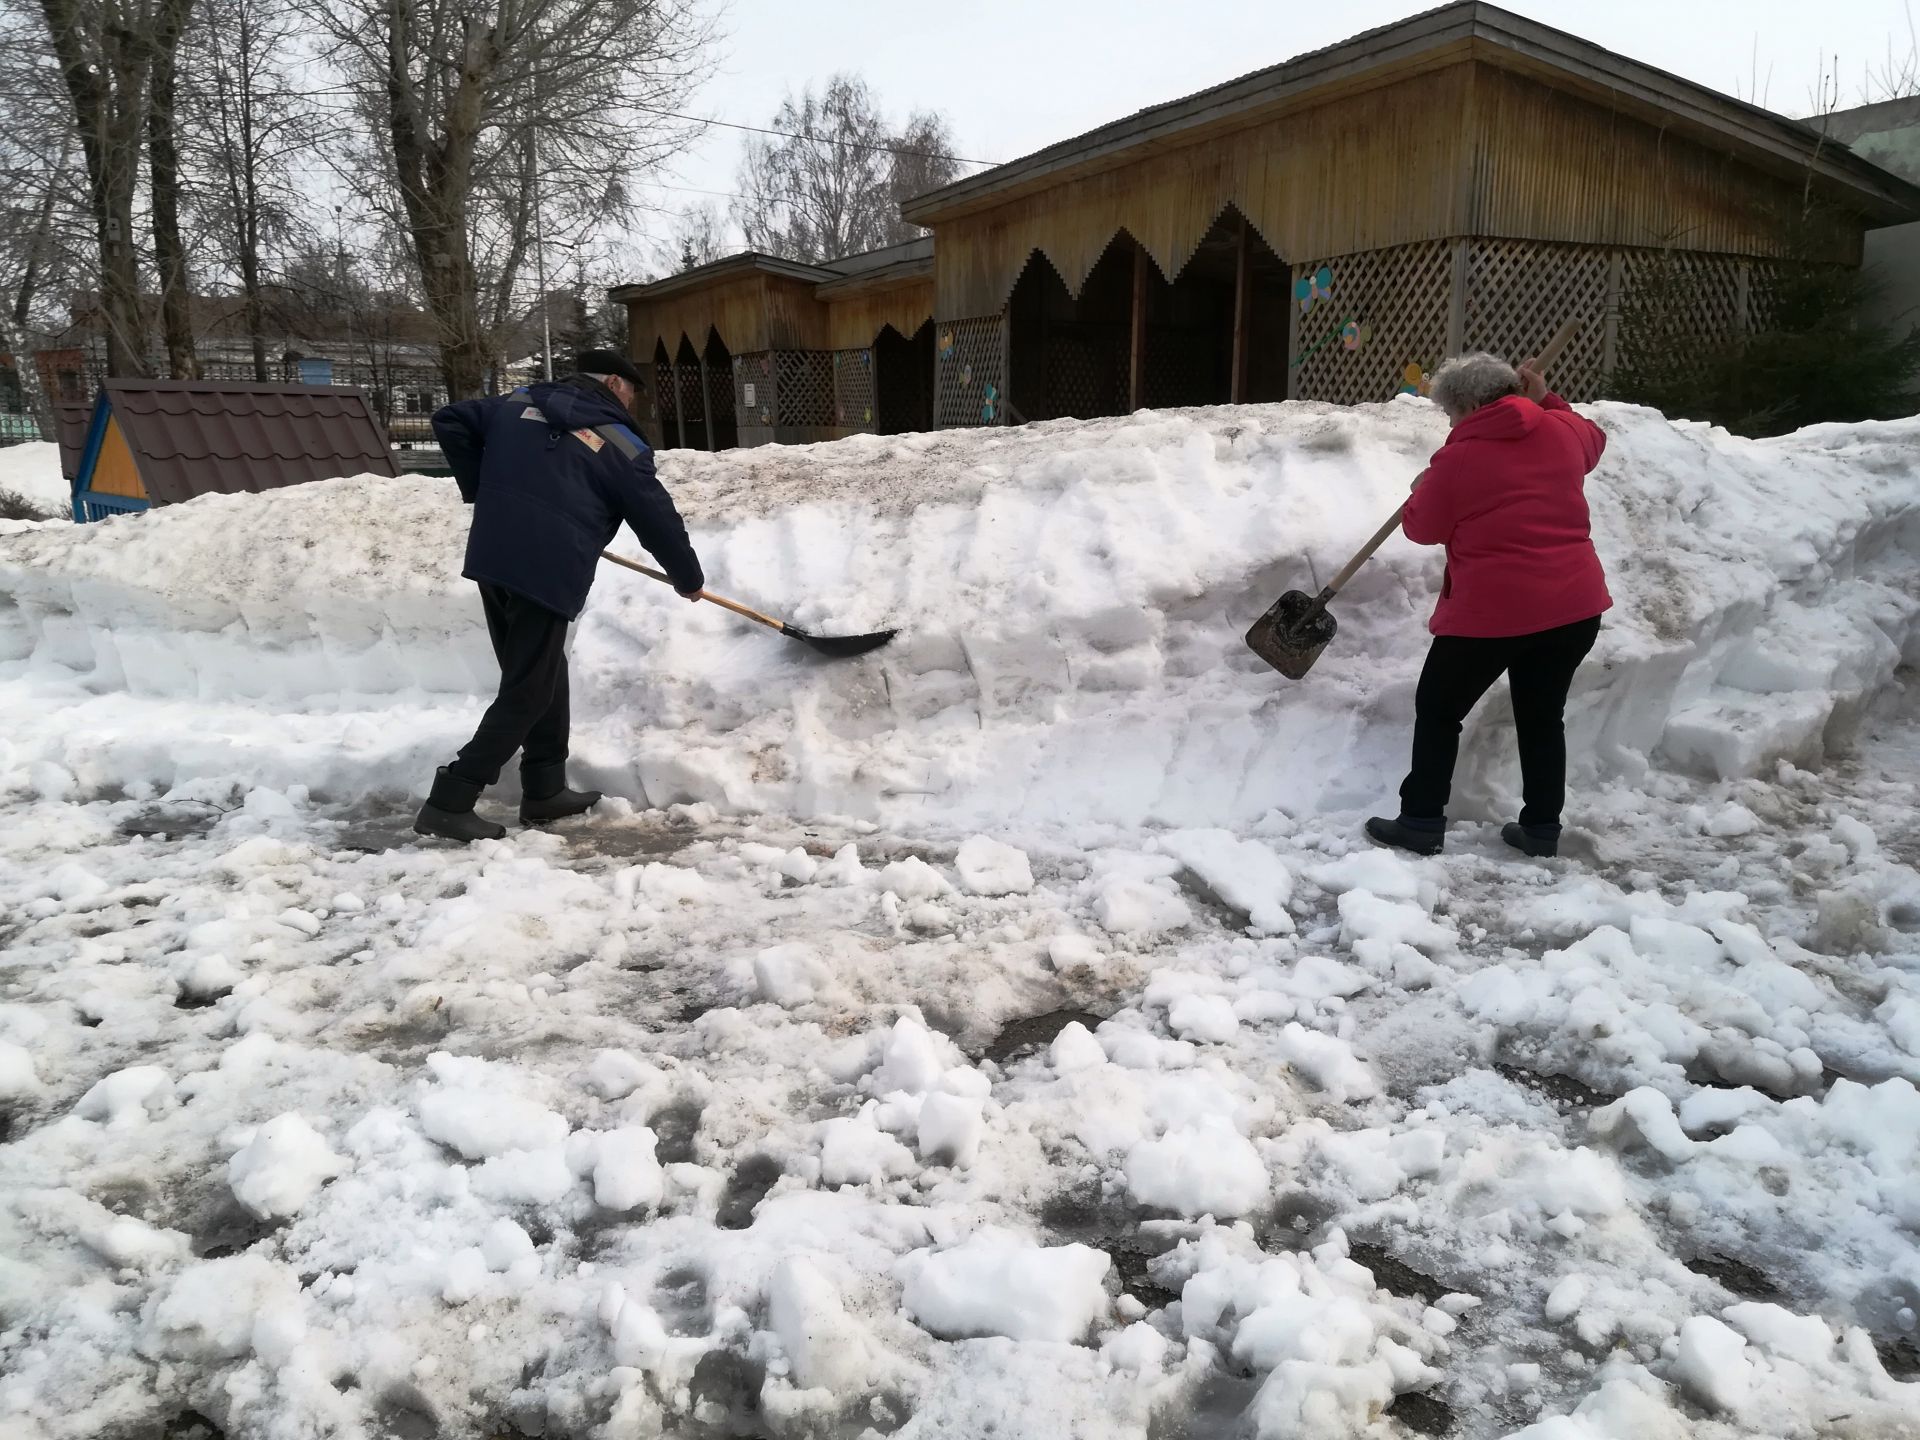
x: 1309, y: 288
x: 946, y: 344
x: 1415, y: 380
x: 966, y: 374
x: 1354, y: 334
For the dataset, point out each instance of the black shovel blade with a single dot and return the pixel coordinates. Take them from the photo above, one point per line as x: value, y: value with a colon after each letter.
x: 839, y: 647
x: 1293, y: 632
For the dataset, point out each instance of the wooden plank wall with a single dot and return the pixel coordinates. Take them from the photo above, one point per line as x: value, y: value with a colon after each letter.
x: 1469, y: 149
x: 855, y: 318
x: 737, y: 308
x: 1357, y: 173
x: 1552, y: 166
x: 796, y: 319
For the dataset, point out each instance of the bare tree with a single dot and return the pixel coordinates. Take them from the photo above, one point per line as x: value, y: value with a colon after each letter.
x: 163, y: 159
x: 105, y: 60
x: 697, y: 235
x: 489, y: 119
x: 246, y: 124
x: 830, y: 182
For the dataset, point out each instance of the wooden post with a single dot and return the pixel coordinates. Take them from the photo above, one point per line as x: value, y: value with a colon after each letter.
x: 1242, y: 298
x: 679, y: 405
x: 706, y: 400
x: 1610, y: 337
x: 1136, y: 375
x: 1457, y: 301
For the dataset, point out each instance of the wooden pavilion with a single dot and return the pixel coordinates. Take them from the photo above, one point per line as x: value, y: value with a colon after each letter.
x: 1325, y: 229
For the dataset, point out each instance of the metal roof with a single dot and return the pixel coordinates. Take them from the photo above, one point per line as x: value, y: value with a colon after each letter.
x: 895, y: 259
x: 202, y: 437
x: 1469, y: 22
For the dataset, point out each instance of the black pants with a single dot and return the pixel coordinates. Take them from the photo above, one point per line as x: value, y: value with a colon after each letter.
x: 1459, y: 670
x: 530, y: 714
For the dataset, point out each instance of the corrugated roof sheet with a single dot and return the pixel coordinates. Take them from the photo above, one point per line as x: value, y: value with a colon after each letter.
x: 201, y: 437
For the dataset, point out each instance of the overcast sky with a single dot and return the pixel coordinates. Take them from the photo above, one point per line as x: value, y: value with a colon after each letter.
x: 1015, y: 75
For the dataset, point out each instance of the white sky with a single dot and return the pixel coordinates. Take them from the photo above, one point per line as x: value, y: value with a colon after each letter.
x: 1015, y: 75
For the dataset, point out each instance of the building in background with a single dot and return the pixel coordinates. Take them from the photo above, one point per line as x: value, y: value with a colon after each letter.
x: 1326, y: 229
x: 1888, y: 134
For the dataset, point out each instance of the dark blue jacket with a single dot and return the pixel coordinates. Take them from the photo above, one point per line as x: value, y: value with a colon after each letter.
x: 548, y: 494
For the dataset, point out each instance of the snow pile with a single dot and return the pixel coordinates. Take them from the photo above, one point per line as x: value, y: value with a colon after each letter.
x: 1072, y: 597
x: 32, y: 472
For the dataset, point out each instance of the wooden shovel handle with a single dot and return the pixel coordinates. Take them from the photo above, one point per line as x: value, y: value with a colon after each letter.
x: 1562, y: 338
x: 1364, y: 554
x: 725, y: 604
x: 1548, y: 354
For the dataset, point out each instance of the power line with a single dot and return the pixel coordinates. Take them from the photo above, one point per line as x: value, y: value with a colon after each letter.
x: 812, y: 139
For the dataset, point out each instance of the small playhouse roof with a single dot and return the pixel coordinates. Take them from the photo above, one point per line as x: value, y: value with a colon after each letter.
x: 201, y: 437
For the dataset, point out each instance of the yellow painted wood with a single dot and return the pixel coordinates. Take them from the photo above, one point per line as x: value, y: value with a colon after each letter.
x: 114, y: 471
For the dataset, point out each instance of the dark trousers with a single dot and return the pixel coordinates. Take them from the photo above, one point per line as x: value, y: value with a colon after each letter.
x: 1459, y: 670
x: 530, y: 714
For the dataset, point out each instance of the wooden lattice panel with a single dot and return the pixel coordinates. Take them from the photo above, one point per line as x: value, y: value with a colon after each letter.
x: 1179, y: 369
x: 1395, y: 300
x: 1086, y: 371
x: 1520, y: 291
x: 804, y: 387
x: 692, y: 407
x: 665, y: 399
x: 1711, y: 284
x: 753, y: 388
x: 969, y: 361
x: 853, y: 394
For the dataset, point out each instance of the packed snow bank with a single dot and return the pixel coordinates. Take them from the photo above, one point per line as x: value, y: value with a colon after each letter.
x: 32, y: 472
x: 1071, y: 595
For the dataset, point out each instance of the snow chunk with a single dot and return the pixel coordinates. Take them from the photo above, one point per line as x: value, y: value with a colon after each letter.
x: 615, y: 1074
x: 789, y: 975
x: 1712, y: 1365
x: 1328, y: 1062
x: 1203, y: 1017
x: 1244, y: 873
x: 1139, y: 1349
x: 997, y: 1284
x: 1208, y: 1169
x: 1138, y: 907
x: 17, y: 1076
x: 913, y: 879
x: 857, y: 1152
x: 1074, y: 1048
x: 1073, y: 952
x: 988, y: 867
x: 525, y: 1177
x: 209, y: 1310
x: 1733, y: 820
x: 479, y: 1122
x: 1378, y: 872
x: 950, y: 1128
x: 827, y: 1347
x: 504, y: 1244
x: 282, y: 1166
x: 127, y: 1097
x: 626, y: 1176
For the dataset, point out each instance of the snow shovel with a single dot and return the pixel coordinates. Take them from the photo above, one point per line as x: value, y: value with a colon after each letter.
x: 839, y: 647
x: 1298, y: 626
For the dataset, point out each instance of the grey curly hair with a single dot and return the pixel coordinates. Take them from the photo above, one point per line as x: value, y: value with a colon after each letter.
x: 1466, y: 382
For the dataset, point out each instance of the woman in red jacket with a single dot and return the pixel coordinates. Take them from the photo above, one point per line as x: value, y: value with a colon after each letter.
x: 1522, y: 595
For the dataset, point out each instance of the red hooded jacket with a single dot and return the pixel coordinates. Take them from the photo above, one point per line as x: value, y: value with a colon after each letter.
x: 1507, y: 496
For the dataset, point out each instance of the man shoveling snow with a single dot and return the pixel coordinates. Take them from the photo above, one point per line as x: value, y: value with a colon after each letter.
x: 549, y: 490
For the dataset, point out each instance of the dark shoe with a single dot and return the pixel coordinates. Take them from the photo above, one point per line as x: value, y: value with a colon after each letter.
x: 557, y: 806
x: 448, y: 813
x: 1540, y: 841
x: 544, y: 795
x: 1413, y: 835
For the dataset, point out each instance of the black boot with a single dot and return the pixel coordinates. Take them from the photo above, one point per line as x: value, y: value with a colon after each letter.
x: 544, y: 796
x: 1422, y: 837
x: 448, y: 812
x: 1540, y: 841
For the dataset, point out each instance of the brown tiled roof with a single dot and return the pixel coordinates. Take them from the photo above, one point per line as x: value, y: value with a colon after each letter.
x: 202, y: 437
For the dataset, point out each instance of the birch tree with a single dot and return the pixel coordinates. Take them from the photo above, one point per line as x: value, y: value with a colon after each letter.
x: 482, y: 115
